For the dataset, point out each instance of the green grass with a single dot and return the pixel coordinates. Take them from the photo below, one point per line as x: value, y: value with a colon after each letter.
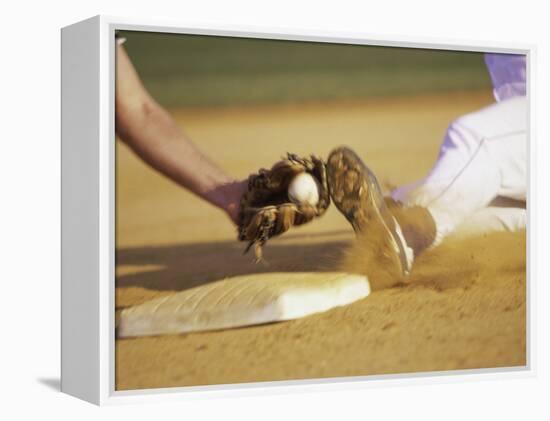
x: 187, y: 70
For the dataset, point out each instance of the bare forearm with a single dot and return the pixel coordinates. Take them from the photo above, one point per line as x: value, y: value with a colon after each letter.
x: 156, y: 138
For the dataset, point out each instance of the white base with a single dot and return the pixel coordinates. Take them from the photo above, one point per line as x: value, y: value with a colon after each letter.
x: 243, y: 301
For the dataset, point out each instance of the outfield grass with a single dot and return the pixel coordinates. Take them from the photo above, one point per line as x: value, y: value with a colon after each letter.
x: 186, y: 70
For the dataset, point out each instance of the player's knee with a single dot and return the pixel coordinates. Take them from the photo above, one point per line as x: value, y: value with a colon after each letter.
x: 461, y: 138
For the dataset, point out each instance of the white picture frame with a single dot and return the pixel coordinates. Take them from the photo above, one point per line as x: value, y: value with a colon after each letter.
x: 88, y: 231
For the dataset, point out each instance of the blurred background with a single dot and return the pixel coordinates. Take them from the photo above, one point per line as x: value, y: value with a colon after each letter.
x: 188, y: 70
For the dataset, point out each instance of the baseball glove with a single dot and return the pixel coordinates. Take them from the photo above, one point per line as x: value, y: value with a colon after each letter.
x: 266, y: 210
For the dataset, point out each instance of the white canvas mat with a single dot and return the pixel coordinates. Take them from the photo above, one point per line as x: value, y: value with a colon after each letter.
x: 243, y: 301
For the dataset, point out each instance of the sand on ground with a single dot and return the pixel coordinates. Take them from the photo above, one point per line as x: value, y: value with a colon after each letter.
x: 464, y: 307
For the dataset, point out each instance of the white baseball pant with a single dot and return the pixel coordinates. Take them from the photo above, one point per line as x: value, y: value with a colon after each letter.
x: 483, y: 156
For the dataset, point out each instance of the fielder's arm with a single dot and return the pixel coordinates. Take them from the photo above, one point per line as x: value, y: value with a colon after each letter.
x: 153, y: 135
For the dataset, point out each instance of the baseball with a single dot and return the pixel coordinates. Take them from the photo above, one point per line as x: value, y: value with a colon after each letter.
x: 304, y: 188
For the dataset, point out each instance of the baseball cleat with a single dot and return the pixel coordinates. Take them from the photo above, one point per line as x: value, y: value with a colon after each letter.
x: 357, y: 195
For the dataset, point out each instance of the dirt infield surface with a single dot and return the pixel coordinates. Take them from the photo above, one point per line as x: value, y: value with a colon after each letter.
x: 464, y: 306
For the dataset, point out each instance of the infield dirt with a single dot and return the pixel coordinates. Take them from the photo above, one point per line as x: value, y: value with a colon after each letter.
x: 463, y: 307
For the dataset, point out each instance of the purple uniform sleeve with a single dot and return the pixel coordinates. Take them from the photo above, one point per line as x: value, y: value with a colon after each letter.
x: 508, y: 75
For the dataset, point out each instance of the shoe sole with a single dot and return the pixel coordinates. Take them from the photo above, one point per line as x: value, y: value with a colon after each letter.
x: 357, y: 195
